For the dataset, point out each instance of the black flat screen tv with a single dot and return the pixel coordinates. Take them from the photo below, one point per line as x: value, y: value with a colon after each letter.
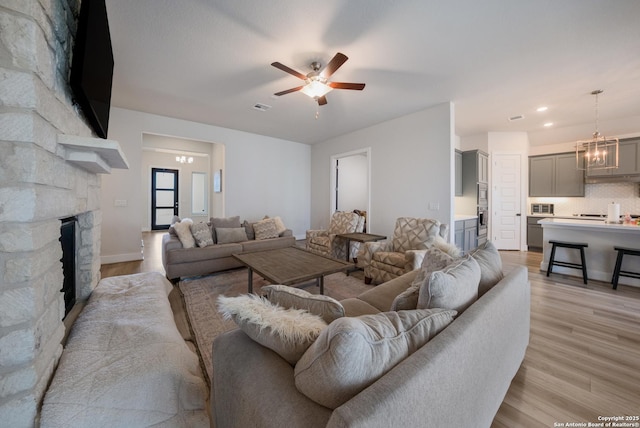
x: 92, y: 65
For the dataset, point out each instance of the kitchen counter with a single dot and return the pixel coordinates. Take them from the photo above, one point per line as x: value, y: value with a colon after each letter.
x: 600, y: 255
x: 462, y: 217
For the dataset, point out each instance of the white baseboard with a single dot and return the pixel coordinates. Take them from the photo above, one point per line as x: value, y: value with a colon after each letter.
x: 119, y: 258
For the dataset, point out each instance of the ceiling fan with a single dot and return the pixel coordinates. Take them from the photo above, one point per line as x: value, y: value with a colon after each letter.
x: 317, y: 83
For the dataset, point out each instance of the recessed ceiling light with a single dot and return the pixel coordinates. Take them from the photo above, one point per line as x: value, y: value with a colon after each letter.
x: 548, y: 124
x: 541, y: 109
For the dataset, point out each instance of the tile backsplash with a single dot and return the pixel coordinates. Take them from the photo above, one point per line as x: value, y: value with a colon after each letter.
x: 595, y: 200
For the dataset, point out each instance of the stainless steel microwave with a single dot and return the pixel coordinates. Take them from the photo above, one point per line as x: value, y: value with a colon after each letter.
x: 541, y: 208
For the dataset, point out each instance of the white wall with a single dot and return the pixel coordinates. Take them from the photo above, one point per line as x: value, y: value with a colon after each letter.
x: 411, y: 167
x: 261, y: 176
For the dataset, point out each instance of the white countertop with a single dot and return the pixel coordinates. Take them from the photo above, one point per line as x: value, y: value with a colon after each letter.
x: 462, y: 217
x: 588, y: 224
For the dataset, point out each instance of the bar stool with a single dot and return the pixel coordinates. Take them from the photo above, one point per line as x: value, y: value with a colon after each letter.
x: 618, y: 272
x: 574, y: 245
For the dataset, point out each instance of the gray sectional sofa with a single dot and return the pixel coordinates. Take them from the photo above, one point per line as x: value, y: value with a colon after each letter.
x: 179, y: 261
x: 457, y: 379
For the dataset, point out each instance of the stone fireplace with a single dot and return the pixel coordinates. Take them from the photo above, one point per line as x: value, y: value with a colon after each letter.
x: 49, y: 170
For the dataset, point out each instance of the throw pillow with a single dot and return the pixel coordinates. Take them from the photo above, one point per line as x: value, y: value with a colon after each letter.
x: 434, y: 259
x: 227, y: 235
x: 202, y: 234
x: 406, y: 300
x: 183, y: 230
x: 328, y: 308
x: 288, y: 332
x: 248, y: 228
x: 280, y: 227
x: 488, y: 258
x: 352, y: 353
x: 456, y: 287
x: 265, y: 229
x: 223, y: 222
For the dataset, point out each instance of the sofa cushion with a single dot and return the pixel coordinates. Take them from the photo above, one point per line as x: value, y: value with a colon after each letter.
x: 202, y: 234
x: 211, y: 252
x: 382, y: 296
x: 354, y: 307
x: 229, y: 235
x: 288, y: 332
x: 223, y: 222
x: 455, y: 287
x: 280, y: 227
x: 488, y: 258
x: 326, y: 307
x: 265, y: 229
x: 183, y: 230
x: 352, y: 353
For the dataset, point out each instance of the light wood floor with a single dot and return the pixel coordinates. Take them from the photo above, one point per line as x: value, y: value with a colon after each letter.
x: 583, y: 359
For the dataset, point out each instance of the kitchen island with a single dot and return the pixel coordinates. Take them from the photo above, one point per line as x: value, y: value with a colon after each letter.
x: 600, y: 255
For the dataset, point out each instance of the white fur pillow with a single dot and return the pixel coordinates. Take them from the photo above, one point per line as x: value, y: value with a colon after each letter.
x: 183, y: 230
x: 447, y: 247
x: 288, y: 332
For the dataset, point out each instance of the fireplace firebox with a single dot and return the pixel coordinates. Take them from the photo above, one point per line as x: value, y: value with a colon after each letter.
x: 68, y: 242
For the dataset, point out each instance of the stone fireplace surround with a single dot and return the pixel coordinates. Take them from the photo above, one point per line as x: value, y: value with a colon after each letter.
x: 49, y: 166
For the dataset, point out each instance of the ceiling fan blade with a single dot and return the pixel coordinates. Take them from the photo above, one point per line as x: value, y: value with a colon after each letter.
x: 289, y: 70
x: 343, y: 85
x: 333, y: 65
x: 288, y: 91
x: 322, y: 100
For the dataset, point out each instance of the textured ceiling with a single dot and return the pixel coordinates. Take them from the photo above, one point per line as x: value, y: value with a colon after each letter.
x: 209, y: 61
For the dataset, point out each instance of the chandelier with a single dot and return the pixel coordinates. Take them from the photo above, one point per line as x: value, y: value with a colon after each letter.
x: 184, y: 159
x: 599, y: 152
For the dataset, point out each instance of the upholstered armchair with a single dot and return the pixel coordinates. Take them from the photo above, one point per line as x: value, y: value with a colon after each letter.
x: 326, y: 243
x: 383, y: 261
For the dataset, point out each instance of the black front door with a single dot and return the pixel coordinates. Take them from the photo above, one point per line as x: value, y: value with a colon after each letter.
x: 164, y: 197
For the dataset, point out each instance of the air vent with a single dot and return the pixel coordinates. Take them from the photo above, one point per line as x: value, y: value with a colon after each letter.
x: 518, y: 117
x: 261, y: 107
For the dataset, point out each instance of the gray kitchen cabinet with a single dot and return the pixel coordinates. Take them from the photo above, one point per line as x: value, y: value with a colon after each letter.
x: 534, y: 234
x: 458, y: 171
x: 555, y: 175
x: 628, y: 161
x: 466, y: 235
x: 475, y: 167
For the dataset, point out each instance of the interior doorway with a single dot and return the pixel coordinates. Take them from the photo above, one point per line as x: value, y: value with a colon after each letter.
x: 506, y: 221
x: 351, y: 182
x: 164, y: 197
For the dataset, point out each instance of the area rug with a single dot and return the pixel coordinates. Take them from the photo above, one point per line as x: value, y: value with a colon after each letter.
x: 201, y: 294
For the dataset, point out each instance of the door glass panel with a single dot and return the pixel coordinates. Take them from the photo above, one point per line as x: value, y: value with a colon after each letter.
x: 164, y: 180
x: 164, y: 215
x: 164, y: 198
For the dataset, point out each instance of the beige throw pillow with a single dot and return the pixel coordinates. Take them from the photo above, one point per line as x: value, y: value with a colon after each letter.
x: 183, y: 230
x: 288, y: 332
x: 455, y: 287
x: 202, y: 234
x: 328, y: 308
x: 265, y: 229
x: 352, y: 353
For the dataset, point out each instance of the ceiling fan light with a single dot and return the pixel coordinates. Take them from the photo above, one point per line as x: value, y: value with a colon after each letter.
x: 316, y: 89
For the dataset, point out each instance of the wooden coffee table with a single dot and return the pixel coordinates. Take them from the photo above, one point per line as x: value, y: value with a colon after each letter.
x: 291, y: 265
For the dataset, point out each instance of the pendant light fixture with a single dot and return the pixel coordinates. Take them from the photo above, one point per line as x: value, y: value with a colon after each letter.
x: 599, y: 152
